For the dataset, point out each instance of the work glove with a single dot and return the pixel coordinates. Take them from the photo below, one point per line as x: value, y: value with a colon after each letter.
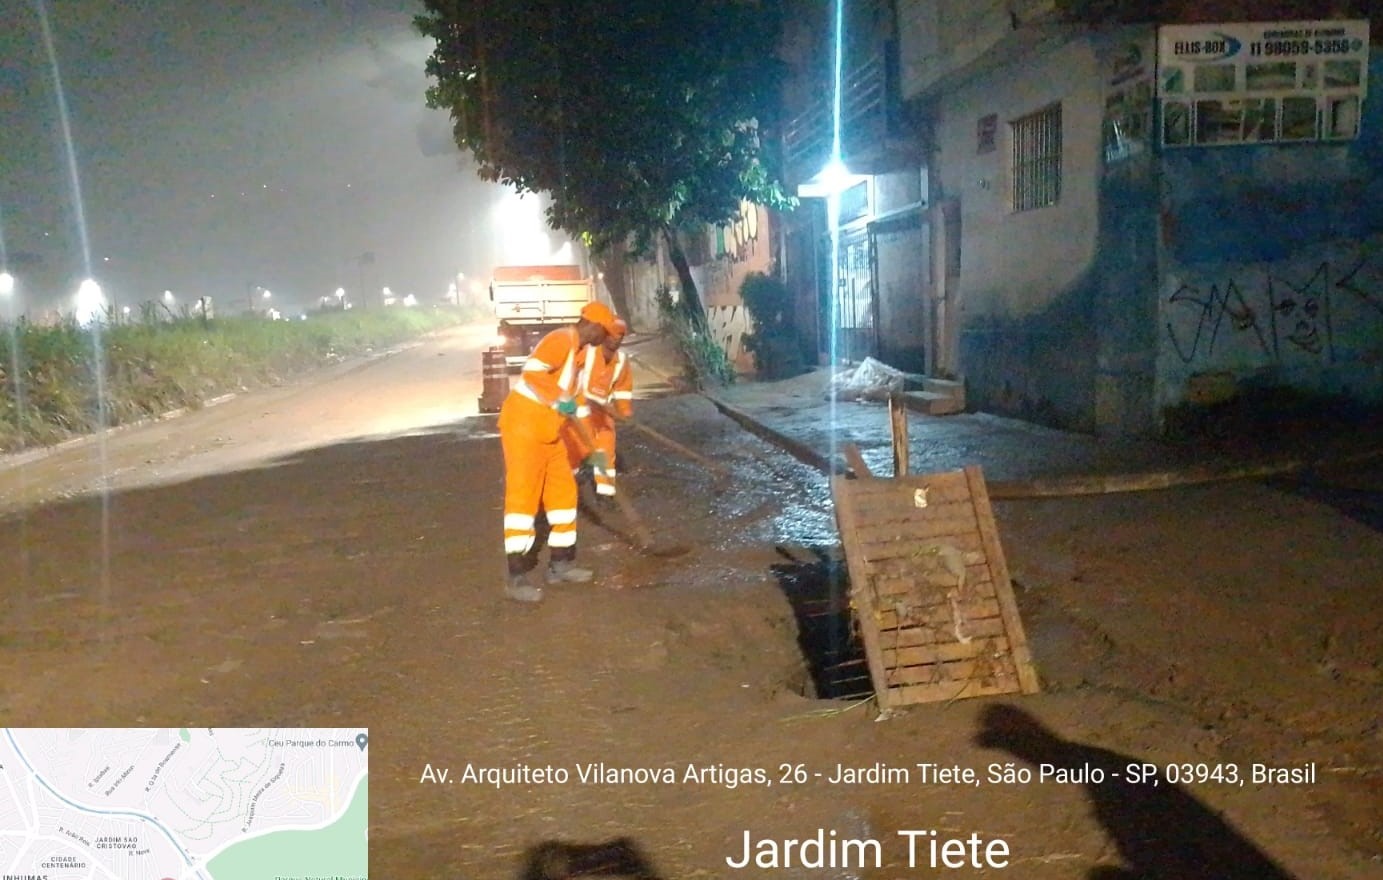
x: 567, y: 406
x: 599, y: 460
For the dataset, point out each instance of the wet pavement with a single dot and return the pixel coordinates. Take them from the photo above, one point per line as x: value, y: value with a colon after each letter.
x: 1019, y: 459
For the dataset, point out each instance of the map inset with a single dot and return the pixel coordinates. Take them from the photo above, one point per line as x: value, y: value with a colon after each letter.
x: 184, y: 804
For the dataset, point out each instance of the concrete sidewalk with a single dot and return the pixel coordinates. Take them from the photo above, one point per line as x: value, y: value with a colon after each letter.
x: 1020, y: 459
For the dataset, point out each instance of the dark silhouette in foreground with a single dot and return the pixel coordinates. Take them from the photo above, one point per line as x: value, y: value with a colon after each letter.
x: 1161, y: 831
x: 558, y: 860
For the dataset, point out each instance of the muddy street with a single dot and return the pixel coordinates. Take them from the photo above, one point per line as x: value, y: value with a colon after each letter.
x: 329, y: 553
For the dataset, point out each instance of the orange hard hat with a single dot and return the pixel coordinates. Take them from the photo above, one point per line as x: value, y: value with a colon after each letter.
x: 599, y: 313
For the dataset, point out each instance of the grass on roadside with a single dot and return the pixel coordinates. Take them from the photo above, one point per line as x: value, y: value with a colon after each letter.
x: 149, y: 369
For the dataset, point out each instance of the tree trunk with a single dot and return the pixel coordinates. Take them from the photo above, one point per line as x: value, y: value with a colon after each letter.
x: 613, y: 265
x: 690, y: 300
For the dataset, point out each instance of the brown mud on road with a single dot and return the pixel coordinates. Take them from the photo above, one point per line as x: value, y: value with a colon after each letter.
x: 357, y: 583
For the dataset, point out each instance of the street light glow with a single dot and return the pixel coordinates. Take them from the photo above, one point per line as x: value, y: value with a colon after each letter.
x: 91, y: 302
x: 6, y: 284
x: 831, y: 180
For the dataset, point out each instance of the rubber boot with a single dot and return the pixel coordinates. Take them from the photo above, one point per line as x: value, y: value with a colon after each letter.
x: 562, y: 569
x: 517, y: 586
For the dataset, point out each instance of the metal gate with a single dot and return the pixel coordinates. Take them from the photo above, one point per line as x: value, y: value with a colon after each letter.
x: 850, y: 314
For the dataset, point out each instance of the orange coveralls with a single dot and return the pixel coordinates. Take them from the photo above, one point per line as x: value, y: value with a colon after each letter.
x: 609, y: 384
x: 535, y: 456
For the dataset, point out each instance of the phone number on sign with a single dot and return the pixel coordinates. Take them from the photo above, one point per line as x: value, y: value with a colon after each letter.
x: 1341, y: 46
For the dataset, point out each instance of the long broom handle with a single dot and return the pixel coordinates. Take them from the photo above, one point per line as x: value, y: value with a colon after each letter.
x: 715, y: 468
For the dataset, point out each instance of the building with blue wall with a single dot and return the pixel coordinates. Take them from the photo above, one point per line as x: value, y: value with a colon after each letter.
x: 1128, y: 220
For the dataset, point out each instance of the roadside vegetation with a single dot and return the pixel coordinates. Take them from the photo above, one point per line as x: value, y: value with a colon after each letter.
x: 706, y: 363
x: 51, y: 389
x: 774, y: 341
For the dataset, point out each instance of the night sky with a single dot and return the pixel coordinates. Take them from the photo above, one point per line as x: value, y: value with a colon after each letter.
x: 223, y: 146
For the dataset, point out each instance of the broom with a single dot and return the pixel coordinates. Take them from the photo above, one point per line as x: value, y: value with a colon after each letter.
x: 626, y: 507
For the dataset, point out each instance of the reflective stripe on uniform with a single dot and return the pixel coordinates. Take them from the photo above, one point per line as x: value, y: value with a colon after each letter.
x: 518, y: 543
x: 564, y: 380
x: 521, y: 387
x: 593, y: 353
x: 518, y: 522
x: 568, y: 377
x: 563, y: 517
x: 604, y: 488
x: 562, y: 539
x: 583, y: 412
x: 588, y: 368
x: 622, y: 395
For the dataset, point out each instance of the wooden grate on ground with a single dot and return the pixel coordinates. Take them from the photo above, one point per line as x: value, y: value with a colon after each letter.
x: 930, y: 589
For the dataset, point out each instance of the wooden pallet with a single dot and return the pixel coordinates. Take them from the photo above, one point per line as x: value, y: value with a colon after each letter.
x: 930, y: 589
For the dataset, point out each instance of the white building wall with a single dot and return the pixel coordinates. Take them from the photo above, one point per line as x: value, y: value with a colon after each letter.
x: 1014, y: 264
x: 937, y: 38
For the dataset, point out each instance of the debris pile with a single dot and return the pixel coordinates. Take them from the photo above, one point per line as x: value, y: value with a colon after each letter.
x: 871, y: 379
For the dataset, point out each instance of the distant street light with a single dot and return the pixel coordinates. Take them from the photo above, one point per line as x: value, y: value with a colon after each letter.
x: 91, y: 302
x: 267, y: 294
x: 168, y: 297
x: 6, y: 293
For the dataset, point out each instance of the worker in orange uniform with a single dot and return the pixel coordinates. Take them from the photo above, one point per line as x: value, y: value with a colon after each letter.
x: 536, y: 470
x: 606, y: 396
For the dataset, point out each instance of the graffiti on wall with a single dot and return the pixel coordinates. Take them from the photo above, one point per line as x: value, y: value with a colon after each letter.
x: 1276, y: 315
x: 737, y: 240
x: 729, y: 325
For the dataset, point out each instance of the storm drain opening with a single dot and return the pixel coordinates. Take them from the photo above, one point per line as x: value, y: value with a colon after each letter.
x: 818, y: 589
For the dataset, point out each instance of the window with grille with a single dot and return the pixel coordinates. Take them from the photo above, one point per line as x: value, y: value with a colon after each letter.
x: 1036, y: 159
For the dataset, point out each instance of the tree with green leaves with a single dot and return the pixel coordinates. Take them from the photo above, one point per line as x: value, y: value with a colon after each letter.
x: 639, y: 118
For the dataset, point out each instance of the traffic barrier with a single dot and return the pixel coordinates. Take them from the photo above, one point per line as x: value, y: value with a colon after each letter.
x: 494, y: 380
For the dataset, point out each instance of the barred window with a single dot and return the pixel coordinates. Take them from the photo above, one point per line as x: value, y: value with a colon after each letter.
x: 1036, y: 159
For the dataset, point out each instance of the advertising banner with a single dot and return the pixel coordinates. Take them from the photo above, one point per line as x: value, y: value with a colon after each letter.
x: 1252, y: 83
